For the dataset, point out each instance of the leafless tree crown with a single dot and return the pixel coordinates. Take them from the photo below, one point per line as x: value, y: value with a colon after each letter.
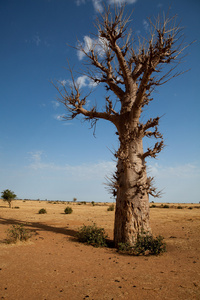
x: 130, y: 70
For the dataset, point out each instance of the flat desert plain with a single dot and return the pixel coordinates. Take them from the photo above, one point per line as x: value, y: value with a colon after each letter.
x: 53, y: 265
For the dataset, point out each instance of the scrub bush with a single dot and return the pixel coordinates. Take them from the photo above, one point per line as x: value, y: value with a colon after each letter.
x: 17, y: 233
x: 92, y: 235
x: 111, y: 207
x: 68, y: 210
x: 42, y: 211
x: 145, y: 244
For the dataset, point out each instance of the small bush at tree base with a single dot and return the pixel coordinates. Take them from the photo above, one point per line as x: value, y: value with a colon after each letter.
x: 145, y: 244
x: 17, y: 233
x: 92, y: 235
x: 42, y: 211
x: 111, y: 207
x: 68, y: 210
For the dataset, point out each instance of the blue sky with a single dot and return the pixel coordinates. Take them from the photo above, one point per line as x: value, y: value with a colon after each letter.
x: 46, y: 158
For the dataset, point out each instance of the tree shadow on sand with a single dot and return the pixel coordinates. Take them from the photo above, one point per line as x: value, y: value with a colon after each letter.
x: 36, y: 226
x: 39, y: 226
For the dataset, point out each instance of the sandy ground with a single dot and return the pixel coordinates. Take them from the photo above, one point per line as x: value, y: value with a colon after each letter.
x: 53, y: 265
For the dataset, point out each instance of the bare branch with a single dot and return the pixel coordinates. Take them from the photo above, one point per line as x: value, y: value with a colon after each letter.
x: 75, y: 104
x: 151, y: 189
x: 153, y: 152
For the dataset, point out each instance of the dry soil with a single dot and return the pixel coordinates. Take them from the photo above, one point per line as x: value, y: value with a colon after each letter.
x: 53, y: 265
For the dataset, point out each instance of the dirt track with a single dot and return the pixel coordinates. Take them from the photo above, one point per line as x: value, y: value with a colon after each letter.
x: 53, y: 265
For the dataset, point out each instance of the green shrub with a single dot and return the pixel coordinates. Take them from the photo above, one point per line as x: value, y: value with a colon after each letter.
x: 68, y: 210
x: 153, y: 206
x: 145, y: 244
x: 190, y: 207
x: 92, y: 235
x: 42, y: 211
x: 93, y: 203
x: 111, y: 207
x: 17, y: 233
x: 165, y: 206
x: 179, y: 207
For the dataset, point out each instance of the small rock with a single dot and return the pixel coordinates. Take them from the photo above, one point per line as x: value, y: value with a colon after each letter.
x: 195, y: 284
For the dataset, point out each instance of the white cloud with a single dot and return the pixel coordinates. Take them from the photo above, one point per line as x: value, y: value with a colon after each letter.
x: 180, y: 171
x: 179, y: 183
x: 121, y: 1
x: 87, y: 45
x: 56, y: 104
x: 99, y: 45
x: 58, y: 117
x: 36, y: 39
x: 146, y: 25
x: 84, y: 81
x: 79, y: 2
x: 35, y: 156
x: 98, y: 5
x: 75, y: 172
x: 63, y: 82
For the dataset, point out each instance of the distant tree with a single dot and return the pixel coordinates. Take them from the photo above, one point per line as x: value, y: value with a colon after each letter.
x: 8, y: 196
x: 130, y: 72
x: 74, y: 199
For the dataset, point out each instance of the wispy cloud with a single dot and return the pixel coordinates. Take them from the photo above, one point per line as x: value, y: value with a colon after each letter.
x: 83, y: 81
x: 56, y: 104
x: 181, y: 171
x: 99, y: 45
x: 58, y: 117
x: 35, y: 157
x: 79, y: 2
x: 98, y: 7
x: 146, y: 25
x: 121, y: 1
x: 63, y: 82
x: 36, y: 39
x: 77, y: 172
x: 87, y: 45
x: 98, y: 4
x: 179, y: 183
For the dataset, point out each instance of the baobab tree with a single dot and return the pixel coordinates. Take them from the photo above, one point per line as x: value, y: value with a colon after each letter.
x: 130, y: 71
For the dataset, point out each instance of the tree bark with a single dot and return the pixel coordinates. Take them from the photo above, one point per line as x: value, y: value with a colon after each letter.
x: 132, y: 200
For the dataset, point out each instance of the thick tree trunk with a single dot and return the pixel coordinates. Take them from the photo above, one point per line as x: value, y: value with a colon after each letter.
x: 132, y: 202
